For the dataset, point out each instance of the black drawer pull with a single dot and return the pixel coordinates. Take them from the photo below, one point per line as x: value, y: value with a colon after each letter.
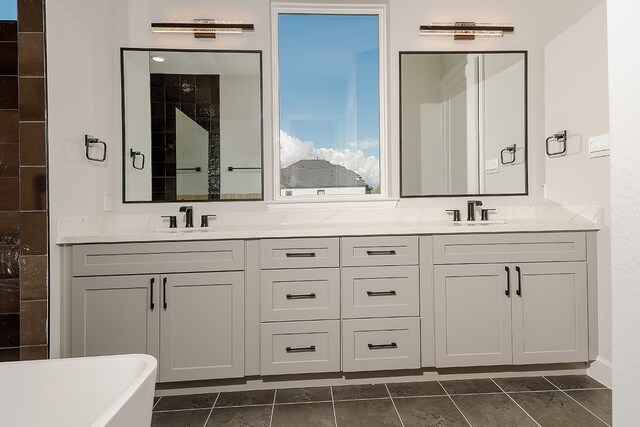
x: 311, y: 349
x: 152, y: 306
x: 301, y: 255
x: 381, y: 294
x: 507, y: 292
x: 519, y: 290
x: 383, y: 346
x: 302, y: 296
x: 391, y: 252
x: 164, y: 294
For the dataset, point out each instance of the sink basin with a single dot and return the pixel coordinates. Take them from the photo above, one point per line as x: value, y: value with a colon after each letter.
x: 183, y: 230
x: 478, y: 223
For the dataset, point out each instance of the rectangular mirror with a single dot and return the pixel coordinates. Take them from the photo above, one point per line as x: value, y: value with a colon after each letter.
x: 192, y: 125
x: 463, y: 123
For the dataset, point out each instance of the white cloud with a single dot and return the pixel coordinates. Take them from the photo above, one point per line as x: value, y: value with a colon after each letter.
x: 293, y: 149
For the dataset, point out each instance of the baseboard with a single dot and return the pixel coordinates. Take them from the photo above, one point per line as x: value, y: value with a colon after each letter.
x: 601, y: 370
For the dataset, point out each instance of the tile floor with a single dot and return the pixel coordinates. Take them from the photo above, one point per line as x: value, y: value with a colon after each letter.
x: 572, y: 400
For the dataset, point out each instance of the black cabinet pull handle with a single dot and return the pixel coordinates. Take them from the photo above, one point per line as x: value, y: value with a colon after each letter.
x: 381, y: 294
x: 508, y: 291
x: 391, y: 252
x: 301, y: 296
x: 519, y: 290
x: 301, y: 349
x: 152, y: 306
x: 301, y: 255
x: 382, y: 346
x: 164, y: 294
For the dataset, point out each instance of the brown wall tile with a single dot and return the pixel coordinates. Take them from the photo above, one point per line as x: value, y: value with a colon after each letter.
x: 9, y: 296
x: 9, y: 194
x: 9, y: 162
x: 8, y: 93
x: 9, y: 127
x: 31, y: 54
x: 38, y: 352
x: 30, y: 16
x: 8, y: 58
x: 33, y: 277
x: 32, y: 99
x: 9, y: 354
x: 33, y: 151
x: 9, y: 262
x: 33, y: 233
x: 9, y: 228
x: 9, y: 330
x: 8, y: 31
x: 33, y: 323
x: 33, y: 188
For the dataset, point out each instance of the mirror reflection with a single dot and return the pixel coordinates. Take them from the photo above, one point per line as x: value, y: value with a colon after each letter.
x: 192, y: 125
x: 463, y: 118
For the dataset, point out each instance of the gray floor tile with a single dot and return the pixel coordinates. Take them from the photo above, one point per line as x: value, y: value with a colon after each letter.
x: 492, y: 410
x: 524, y: 384
x: 187, y: 401
x: 427, y: 388
x: 429, y: 412
x: 574, y: 382
x: 195, y: 418
x: 555, y: 409
x: 311, y: 394
x: 367, y: 391
x: 366, y: 413
x: 249, y: 416
x: 244, y: 398
x: 470, y: 386
x: 597, y: 401
x: 304, y: 414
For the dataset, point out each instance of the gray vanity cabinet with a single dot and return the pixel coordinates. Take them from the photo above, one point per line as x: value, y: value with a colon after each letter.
x: 115, y: 315
x: 202, y: 326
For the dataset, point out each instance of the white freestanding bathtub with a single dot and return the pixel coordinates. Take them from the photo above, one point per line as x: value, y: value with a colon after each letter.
x: 114, y: 391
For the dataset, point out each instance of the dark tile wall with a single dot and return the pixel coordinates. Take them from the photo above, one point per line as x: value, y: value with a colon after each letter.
x: 23, y: 186
x: 198, y: 97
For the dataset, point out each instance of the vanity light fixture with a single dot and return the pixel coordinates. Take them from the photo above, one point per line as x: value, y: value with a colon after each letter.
x: 202, y: 28
x: 465, y: 30
x: 158, y: 58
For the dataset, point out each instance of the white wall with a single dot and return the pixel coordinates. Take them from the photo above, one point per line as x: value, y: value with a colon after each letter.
x: 577, y: 99
x: 624, y: 101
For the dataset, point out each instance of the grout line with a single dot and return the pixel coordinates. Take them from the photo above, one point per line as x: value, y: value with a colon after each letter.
x: 156, y: 404
x: 360, y: 399
x: 580, y: 404
x: 455, y: 404
x: 333, y: 403
x: 394, y: 405
x: 311, y: 402
x: 211, y: 411
x: 180, y: 410
x: 419, y: 396
x: 474, y: 394
x: 523, y: 410
x: 245, y: 406
x: 273, y: 406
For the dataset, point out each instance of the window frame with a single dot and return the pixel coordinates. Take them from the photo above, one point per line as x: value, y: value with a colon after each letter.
x: 333, y: 9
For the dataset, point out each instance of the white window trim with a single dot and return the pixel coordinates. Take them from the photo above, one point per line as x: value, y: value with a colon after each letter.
x: 331, y: 9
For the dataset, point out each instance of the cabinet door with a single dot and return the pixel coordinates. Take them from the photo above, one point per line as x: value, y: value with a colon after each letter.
x: 115, y: 315
x: 202, y: 326
x: 550, y: 313
x: 472, y: 315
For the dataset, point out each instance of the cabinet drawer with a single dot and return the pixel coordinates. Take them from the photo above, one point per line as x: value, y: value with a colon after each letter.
x: 299, y: 253
x: 373, y: 251
x: 157, y: 257
x: 380, y: 292
x: 489, y: 248
x: 380, y: 344
x: 300, y: 347
x: 312, y: 294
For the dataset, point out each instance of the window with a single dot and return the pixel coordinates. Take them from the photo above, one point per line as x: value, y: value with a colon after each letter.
x: 328, y: 103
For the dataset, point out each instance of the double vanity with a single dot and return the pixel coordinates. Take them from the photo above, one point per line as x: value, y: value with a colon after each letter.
x: 345, y: 299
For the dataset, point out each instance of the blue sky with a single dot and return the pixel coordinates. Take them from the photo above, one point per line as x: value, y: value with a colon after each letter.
x: 8, y: 10
x: 328, y: 69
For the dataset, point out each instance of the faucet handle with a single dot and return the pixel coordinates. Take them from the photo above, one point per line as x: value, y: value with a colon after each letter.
x: 485, y: 214
x: 173, y: 222
x: 204, y: 220
x: 456, y: 214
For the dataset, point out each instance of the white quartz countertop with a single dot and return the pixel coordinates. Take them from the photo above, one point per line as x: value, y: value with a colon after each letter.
x: 137, y: 229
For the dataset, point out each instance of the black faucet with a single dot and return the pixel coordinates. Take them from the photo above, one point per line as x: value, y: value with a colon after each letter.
x: 471, y: 209
x: 189, y: 215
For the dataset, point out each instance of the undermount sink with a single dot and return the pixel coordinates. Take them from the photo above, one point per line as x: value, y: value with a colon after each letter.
x: 183, y: 230
x: 479, y: 223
